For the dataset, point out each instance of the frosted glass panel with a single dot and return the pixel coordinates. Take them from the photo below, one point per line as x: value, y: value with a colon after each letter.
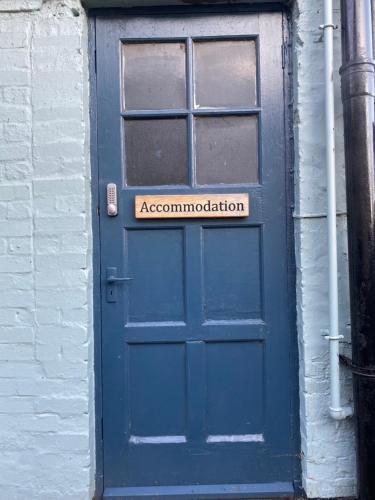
x: 154, y: 75
x: 226, y: 149
x: 156, y: 152
x: 225, y: 73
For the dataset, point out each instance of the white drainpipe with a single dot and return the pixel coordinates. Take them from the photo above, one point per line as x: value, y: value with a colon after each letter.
x: 337, y: 411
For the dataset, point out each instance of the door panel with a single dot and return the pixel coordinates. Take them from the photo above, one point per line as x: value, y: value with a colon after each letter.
x: 196, y: 344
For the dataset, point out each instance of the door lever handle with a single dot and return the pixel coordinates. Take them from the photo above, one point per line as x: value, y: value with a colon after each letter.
x: 112, y: 280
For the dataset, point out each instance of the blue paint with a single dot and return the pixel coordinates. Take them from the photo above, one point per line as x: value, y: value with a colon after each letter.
x: 196, y: 350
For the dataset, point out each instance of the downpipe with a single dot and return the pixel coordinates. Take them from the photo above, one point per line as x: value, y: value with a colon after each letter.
x: 336, y: 410
x: 358, y: 97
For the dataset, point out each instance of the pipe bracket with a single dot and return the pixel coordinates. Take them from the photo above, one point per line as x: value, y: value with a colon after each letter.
x: 329, y: 25
x: 337, y: 337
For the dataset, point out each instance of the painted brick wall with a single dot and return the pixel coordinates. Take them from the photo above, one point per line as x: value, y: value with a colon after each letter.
x: 328, y: 447
x: 45, y: 258
x: 46, y: 401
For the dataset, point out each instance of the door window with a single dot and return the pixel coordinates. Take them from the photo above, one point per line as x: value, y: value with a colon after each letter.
x: 190, y: 112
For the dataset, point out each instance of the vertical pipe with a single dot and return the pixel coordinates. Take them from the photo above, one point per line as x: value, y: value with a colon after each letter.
x: 357, y: 75
x: 336, y: 410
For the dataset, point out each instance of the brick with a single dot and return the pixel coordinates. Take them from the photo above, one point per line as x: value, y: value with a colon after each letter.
x: 14, y: 352
x: 65, y: 261
x: 61, y: 277
x: 65, y: 297
x: 19, y: 210
x: 74, y: 243
x: 48, y: 352
x: 14, y: 192
x: 14, y: 370
x: 65, y: 369
x: 20, y: 5
x: 16, y: 404
x: 8, y: 387
x: 3, y: 241
x: 62, y: 41
x: 63, y: 186
x: 13, y: 40
x: 14, y: 58
x: 16, y: 95
x: 9, y: 228
x: 64, y: 442
x: 61, y: 335
x: 16, y: 264
x: 14, y: 151
x: 20, y: 77
x: 37, y: 423
x: 52, y: 388
x: 74, y: 352
x: 24, y: 317
x: 10, y: 114
x: 7, y: 317
x: 16, y: 335
x: 64, y: 149
x: 20, y: 246
x: 71, y: 204
x: 16, y: 171
x: 48, y: 315
x: 63, y: 406
x: 55, y: 225
x: 16, y: 282
x: 15, y: 317
x: 18, y: 298
x: 17, y: 132
x: 54, y: 111
x: 46, y: 245
x: 75, y: 315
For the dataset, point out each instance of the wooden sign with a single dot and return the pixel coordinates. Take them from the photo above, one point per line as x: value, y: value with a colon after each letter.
x: 197, y: 205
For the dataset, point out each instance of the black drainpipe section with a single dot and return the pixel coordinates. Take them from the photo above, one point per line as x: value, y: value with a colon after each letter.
x: 357, y: 79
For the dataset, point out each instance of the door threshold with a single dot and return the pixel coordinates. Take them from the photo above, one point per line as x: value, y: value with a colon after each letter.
x: 253, y: 491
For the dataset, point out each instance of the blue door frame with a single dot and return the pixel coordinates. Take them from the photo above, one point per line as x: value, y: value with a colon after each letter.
x: 291, y: 265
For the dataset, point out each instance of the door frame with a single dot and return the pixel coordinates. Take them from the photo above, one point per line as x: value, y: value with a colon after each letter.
x: 289, y: 188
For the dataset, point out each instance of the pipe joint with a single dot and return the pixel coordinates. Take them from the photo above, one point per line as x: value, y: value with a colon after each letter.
x: 342, y: 412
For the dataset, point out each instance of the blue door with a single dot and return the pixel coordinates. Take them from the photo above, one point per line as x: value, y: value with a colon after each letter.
x: 196, y: 340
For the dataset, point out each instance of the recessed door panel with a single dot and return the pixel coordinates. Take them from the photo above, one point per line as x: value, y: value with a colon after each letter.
x: 156, y: 263
x: 197, y: 339
x: 235, y: 392
x: 157, y: 384
x: 232, y: 273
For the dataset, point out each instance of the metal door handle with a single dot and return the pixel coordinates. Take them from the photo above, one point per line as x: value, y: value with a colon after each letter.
x: 113, y: 279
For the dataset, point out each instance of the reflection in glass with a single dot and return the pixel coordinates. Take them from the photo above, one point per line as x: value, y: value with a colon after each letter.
x: 225, y: 73
x: 154, y: 75
x: 155, y: 152
x: 226, y: 149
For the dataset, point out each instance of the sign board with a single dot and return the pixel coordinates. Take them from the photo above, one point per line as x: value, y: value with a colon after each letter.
x: 197, y: 205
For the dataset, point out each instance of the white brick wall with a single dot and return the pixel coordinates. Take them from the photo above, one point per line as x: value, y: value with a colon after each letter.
x: 45, y: 256
x: 46, y: 400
